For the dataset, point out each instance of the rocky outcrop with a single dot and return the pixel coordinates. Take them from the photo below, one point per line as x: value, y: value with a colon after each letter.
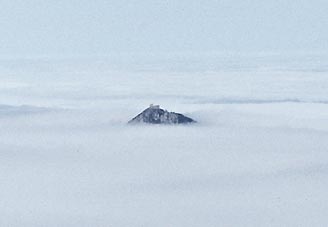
x: 155, y: 115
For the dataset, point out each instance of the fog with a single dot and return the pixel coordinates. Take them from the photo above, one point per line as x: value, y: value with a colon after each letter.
x: 256, y: 157
x: 253, y: 74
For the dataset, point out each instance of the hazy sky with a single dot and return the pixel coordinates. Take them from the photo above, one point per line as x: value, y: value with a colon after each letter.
x: 106, y: 26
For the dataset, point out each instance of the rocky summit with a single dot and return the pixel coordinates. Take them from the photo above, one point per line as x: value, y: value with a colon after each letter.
x: 155, y: 115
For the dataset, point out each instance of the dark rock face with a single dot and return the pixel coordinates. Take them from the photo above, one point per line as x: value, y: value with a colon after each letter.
x: 156, y: 115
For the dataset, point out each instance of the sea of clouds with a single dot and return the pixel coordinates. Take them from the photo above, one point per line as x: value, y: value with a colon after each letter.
x: 258, y: 155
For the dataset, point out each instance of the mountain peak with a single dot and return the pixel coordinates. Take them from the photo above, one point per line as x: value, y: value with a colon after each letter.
x: 155, y: 115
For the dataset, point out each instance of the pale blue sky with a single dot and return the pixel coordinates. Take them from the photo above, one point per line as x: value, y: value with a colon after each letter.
x: 102, y: 27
